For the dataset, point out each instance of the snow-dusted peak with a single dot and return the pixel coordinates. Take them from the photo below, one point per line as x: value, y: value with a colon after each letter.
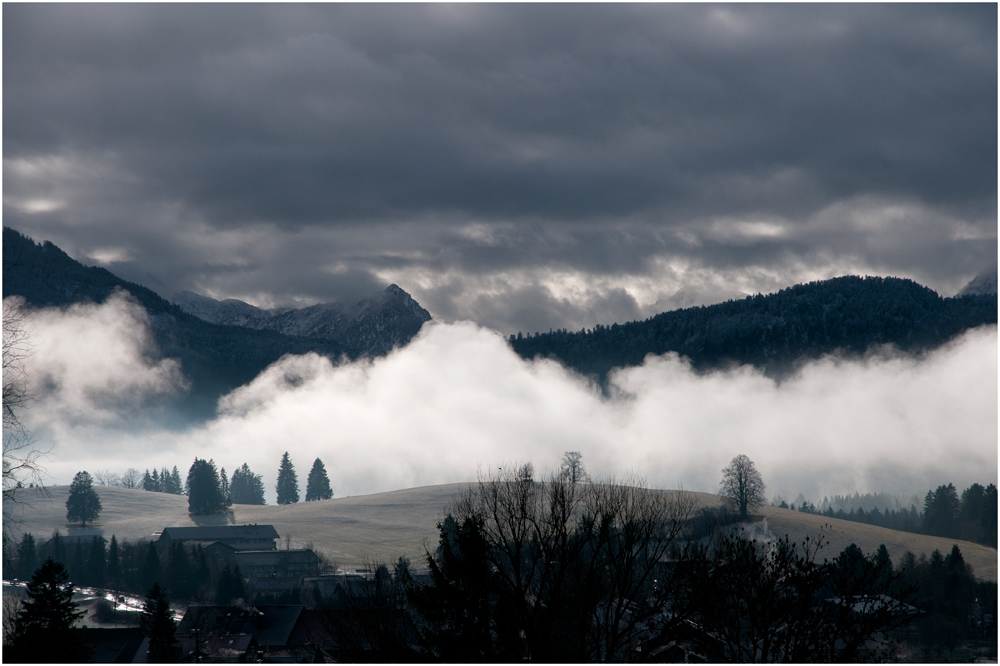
x: 983, y: 284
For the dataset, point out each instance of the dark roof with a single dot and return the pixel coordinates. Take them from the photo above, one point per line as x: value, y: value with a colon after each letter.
x: 217, y: 532
x: 268, y: 625
x: 111, y: 645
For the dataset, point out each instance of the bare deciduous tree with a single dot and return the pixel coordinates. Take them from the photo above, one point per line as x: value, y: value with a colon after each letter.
x: 20, y: 453
x: 742, y: 487
x: 131, y: 478
x: 106, y: 478
x: 572, y: 469
x: 574, y: 567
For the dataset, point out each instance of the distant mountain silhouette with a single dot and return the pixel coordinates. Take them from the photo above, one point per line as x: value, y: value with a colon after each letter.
x: 215, y: 358
x: 376, y: 325
x: 776, y: 332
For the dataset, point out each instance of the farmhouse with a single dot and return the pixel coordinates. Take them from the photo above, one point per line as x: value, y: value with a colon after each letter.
x: 239, y: 537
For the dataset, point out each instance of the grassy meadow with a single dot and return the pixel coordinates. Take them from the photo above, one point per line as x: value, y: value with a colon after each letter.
x: 353, y: 531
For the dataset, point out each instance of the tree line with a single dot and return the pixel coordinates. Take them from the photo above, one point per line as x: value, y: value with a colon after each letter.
x: 971, y: 516
x: 210, y: 490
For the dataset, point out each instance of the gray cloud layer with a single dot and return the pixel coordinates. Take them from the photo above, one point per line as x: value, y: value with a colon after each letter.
x: 524, y: 166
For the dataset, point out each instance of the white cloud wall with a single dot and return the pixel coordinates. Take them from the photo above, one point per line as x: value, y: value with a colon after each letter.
x: 458, y: 398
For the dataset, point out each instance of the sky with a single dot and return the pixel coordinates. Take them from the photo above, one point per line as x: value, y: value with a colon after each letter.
x: 514, y: 168
x: 524, y: 167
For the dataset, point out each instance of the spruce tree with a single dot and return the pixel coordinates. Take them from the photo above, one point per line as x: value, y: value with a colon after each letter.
x: 246, y: 487
x: 224, y: 486
x: 27, y: 557
x: 204, y: 491
x: 83, y: 504
x: 114, y: 563
x: 175, y: 482
x: 288, y: 483
x: 318, y: 484
x: 157, y: 623
x: 42, y: 631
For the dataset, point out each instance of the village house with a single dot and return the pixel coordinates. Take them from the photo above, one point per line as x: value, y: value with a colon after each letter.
x: 239, y: 537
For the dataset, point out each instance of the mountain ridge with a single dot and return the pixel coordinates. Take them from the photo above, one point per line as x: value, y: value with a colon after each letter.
x: 776, y: 332
x: 215, y: 358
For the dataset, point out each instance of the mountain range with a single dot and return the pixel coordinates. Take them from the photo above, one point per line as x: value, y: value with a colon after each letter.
x: 224, y: 344
x: 216, y: 352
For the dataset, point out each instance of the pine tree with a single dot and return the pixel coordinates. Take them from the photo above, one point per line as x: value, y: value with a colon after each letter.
x: 114, y: 564
x: 27, y: 557
x: 150, y: 566
x: 224, y: 486
x: 246, y: 487
x: 204, y: 491
x: 175, y: 482
x: 318, y: 484
x: 288, y: 483
x: 147, y: 482
x: 42, y: 631
x: 157, y: 623
x: 83, y: 504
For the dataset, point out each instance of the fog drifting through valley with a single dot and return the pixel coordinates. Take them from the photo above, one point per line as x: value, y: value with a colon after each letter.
x: 457, y: 400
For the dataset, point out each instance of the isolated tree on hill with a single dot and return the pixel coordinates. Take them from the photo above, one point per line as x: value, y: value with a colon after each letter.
x: 246, y: 487
x: 157, y: 623
x: 83, y: 503
x: 318, y: 484
x: 742, y: 487
x: 42, y: 631
x: 288, y: 482
x: 204, y: 493
x: 572, y: 469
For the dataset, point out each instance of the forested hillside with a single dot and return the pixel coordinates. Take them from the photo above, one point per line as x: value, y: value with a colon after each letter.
x: 777, y: 331
x: 216, y: 359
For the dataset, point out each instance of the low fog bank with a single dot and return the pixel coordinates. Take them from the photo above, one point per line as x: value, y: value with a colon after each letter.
x: 457, y: 399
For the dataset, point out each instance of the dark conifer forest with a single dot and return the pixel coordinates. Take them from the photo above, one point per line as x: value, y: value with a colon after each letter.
x: 776, y: 332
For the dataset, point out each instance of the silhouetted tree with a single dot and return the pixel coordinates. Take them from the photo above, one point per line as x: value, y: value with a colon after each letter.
x: 150, y: 569
x: 941, y: 511
x: 83, y: 503
x: 551, y: 571
x: 742, y: 487
x: 246, y: 487
x: 774, y: 602
x: 288, y: 484
x: 204, y: 493
x: 230, y: 586
x: 114, y: 571
x: 224, y: 487
x: 27, y: 557
x: 318, y: 484
x: 43, y: 628
x: 572, y: 468
x: 157, y: 623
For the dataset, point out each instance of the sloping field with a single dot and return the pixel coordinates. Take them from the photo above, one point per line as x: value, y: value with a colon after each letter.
x: 352, y: 531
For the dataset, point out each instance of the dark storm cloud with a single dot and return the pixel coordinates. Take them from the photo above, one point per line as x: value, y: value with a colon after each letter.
x: 479, y: 154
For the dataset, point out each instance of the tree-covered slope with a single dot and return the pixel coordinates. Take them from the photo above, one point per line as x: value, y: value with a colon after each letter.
x: 215, y: 358
x: 775, y: 332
